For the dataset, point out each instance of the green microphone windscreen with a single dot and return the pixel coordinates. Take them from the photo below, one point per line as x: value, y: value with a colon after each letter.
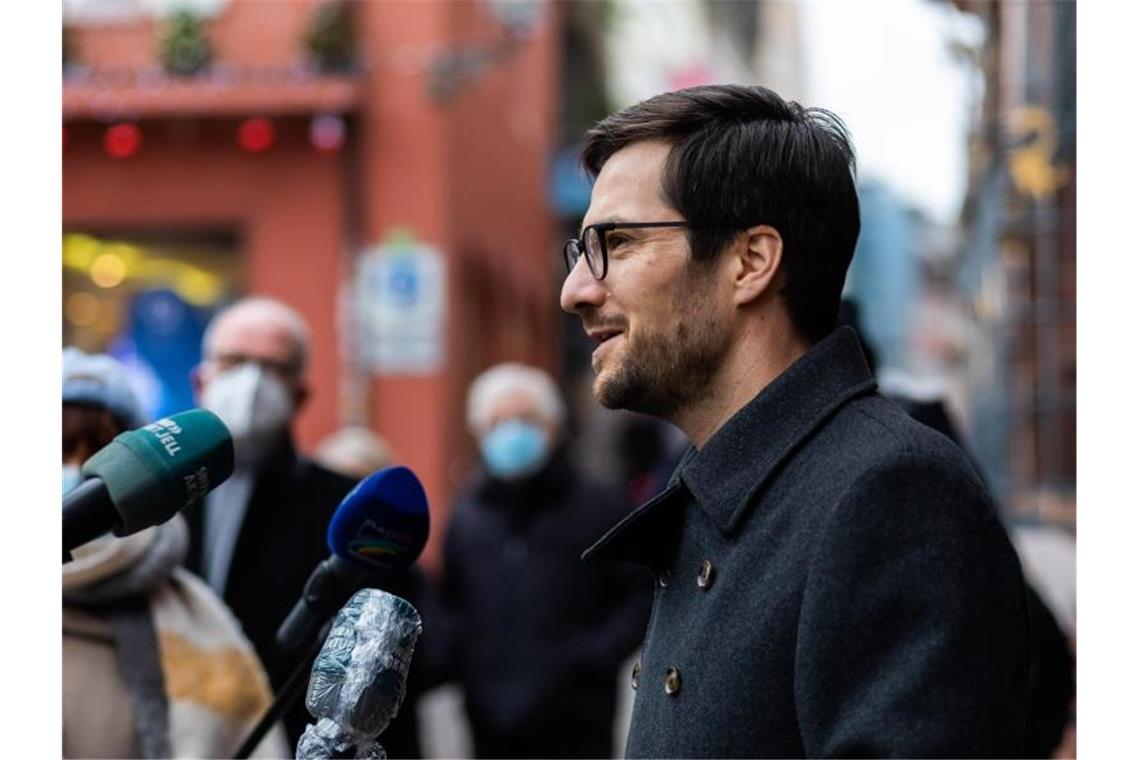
x: 161, y: 468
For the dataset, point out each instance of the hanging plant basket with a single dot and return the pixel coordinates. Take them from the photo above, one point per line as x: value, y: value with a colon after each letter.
x: 330, y: 40
x: 183, y: 47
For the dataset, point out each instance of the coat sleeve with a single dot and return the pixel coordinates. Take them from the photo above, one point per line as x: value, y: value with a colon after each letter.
x: 913, y: 635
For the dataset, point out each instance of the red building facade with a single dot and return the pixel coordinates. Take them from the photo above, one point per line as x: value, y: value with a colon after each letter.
x: 450, y: 120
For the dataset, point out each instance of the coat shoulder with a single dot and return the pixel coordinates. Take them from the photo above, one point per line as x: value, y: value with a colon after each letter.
x: 876, y: 434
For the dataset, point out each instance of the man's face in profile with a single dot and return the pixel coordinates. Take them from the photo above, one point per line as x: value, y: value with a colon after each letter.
x: 659, y: 319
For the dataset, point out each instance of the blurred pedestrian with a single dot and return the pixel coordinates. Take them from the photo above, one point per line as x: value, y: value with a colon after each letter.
x: 1048, y: 560
x: 354, y: 451
x: 154, y: 665
x: 260, y: 534
x: 534, y: 637
x: 641, y: 448
x: 833, y: 576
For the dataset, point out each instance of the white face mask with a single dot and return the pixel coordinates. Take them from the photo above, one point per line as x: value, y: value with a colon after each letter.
x: 256, y: 406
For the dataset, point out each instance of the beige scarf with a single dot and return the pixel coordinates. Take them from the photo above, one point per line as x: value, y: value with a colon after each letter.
x: 212, y: 686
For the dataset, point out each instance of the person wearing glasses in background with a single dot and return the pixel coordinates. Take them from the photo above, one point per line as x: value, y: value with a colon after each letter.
x: 259, y: 535
x: 832, y: 575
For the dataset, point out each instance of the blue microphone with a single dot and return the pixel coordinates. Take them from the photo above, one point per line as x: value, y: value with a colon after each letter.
x: 380, y: 527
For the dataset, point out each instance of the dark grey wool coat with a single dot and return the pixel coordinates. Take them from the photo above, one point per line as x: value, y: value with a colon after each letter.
x: 832, y: 580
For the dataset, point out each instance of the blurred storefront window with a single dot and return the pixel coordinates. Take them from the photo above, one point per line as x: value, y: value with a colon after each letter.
x: 146, y: 298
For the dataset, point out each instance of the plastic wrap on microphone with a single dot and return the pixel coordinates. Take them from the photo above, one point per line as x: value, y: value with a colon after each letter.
x: 359, y: 677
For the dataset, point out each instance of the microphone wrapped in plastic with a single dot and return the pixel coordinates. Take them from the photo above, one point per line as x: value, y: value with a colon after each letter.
x: 358, y: 679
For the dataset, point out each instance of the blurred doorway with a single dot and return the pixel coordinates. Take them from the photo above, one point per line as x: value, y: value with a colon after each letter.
x: 145, y: 297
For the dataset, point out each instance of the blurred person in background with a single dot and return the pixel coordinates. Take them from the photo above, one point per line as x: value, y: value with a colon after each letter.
x: 642, y: 448
x: 259, y: 535
x: 533, y: 636
x: 354, y: 451
x: 1048, y: 560
x: 154, y: 665
x: 1049, y: 556
x: 833, y: 576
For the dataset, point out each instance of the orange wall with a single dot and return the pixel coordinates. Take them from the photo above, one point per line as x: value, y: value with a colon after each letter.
x: 403, y: 184
x: 286, y: 205
x: 467, y: 175
x: 501, y: 135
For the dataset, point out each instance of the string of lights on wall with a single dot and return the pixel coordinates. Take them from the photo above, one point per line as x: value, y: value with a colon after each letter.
x: 258, y: 134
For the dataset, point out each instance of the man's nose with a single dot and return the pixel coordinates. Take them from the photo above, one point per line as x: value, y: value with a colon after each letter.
x: 580, y: 289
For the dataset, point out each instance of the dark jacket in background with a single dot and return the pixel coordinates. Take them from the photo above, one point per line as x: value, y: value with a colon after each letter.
x: 282, y: 540
x: 833, y: 581
x: 534, y: 636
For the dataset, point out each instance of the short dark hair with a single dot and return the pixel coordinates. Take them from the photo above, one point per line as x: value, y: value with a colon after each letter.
x: 88, y: 428
x: 743, y: 156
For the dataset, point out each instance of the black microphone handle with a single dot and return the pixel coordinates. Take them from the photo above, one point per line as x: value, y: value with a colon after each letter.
x: 88, y: 513
x: 283, y: 701
x: 332, y: 583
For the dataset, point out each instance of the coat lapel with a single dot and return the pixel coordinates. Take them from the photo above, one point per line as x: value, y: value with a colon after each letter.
x: 741, y: 457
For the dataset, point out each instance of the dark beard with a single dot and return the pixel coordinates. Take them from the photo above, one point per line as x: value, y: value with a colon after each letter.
x: 662, y: 373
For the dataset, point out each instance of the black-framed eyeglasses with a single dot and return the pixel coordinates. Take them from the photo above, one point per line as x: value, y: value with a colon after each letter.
x: 593, y: 244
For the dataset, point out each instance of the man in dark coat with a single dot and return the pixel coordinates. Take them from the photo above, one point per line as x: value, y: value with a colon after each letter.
x: 261, y: 533
x: 832, y: 575
x: 534, y: 637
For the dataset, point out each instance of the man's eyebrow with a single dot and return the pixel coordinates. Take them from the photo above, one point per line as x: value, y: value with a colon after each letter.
x: 605, y: 220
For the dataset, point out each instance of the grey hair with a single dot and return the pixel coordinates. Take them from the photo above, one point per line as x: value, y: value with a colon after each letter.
x: 511, y: 377
x: 273, y: 309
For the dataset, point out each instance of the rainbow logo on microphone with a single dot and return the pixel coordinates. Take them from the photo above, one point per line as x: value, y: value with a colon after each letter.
x: 383, y: 523
x: 370, y: 548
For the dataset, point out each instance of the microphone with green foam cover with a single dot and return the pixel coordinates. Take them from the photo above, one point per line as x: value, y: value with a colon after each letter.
x: 144, y: 477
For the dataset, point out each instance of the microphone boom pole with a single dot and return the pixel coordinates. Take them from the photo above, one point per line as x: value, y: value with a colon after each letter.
x: 284, y: 699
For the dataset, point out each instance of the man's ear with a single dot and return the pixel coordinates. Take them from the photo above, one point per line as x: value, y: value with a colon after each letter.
x: 300, y: 396
x: 757, y: 263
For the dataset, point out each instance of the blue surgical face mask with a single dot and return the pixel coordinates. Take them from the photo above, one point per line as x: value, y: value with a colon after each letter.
x: 71, y: 477
x: 514, y: 449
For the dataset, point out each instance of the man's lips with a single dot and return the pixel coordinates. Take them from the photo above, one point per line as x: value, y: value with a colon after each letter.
x: 601, y: 334
x: 605, y: 338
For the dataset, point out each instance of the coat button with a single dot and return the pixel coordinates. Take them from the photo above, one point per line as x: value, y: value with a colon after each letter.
x: 706, y: 575
x: 663, y: 578
x: 635, y: 679
x: 672, y: 681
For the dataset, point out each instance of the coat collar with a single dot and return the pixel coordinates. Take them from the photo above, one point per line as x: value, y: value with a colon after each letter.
x: 742, y: 456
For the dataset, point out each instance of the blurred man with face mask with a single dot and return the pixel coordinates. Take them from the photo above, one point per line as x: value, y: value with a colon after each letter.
x: 534, y: 637
x: 259, y: 535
